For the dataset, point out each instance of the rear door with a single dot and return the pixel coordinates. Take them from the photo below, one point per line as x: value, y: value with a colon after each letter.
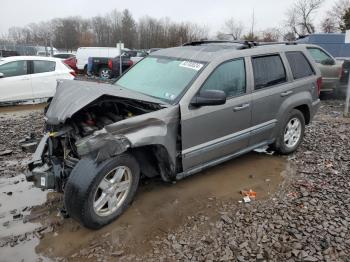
x: 16, y: 83
x: 43, y: 75
x: 213, y: 132
x: 270, y: 90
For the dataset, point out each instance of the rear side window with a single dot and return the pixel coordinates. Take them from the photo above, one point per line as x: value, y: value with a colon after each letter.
x: 228, y: 77
x: 16, y: 68
x: 268, y: 71
x: 319, y: 55
x: 299, y: 64
x: 43, y: 66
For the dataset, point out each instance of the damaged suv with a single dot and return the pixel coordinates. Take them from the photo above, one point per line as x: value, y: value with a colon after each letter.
x: 173, y: 114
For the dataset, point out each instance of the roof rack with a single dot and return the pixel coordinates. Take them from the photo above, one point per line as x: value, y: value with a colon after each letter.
x: 245, y: 43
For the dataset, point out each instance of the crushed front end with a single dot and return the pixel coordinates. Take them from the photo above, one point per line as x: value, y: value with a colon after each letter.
x: 96, y: 125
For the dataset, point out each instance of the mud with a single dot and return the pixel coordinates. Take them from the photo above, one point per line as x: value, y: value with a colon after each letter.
x: 158, y: 209
x: 21, y: 108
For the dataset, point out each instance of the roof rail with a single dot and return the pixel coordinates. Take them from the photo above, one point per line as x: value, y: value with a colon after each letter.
x: 200, y: 42
x: 279, y: 43
x: 245, y: 43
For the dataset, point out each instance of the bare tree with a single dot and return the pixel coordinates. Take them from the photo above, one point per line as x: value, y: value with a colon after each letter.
x: 271, y: 35
x: 328, y: 25
x: 300, y: 16
x: 334, y: 17
x: 231, y: 29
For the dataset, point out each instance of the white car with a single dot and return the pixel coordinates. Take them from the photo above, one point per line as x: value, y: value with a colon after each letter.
x: 24, y: 78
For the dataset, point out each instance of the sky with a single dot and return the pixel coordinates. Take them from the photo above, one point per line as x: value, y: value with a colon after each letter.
x: 268, y: 13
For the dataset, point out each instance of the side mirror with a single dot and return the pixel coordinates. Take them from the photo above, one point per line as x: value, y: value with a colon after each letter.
x: 2, y: 75
x: 328, y: 61
x: 209, y: 98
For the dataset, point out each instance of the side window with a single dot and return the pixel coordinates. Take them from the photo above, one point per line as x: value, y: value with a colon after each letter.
x: 229, y: 77
x: 268, y: 71
x: 16, y: 68
x: 43, y: 66
x: 299, y: 64
x: 319, y: 55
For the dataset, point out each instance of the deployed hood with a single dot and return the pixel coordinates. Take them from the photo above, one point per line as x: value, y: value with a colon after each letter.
x: 71, y: 96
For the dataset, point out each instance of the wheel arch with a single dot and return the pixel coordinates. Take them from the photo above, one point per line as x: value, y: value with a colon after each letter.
x: 154, y: 160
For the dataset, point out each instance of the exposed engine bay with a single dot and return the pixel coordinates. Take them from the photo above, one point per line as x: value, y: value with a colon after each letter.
x: 59, y: 152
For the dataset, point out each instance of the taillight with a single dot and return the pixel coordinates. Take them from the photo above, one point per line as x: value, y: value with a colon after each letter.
x: 73, y: 73
x: 319, y: 84
x: 110, y: 64
x: 341, y: 72
x: 130, y: 63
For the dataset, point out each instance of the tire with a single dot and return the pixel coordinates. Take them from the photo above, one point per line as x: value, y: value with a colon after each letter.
x: 287, y: 147
x: 105, y: 73
x: 83, y: 190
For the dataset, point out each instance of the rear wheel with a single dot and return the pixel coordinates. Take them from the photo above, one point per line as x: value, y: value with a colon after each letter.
x: 96, y: 195
x: 291, y: 133
x: 105, y: 73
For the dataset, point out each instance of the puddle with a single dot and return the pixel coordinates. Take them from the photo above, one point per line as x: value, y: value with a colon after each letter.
x: 159, y: 208
x: 17, y: 196
x: 22, y: 107
x: 20, y: 110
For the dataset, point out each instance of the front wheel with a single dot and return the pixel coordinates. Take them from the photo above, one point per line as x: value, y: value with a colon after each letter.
x: 291, y: 134
x: 96, y: 194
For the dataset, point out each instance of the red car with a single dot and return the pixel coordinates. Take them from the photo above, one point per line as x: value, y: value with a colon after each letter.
x: 72, y: 63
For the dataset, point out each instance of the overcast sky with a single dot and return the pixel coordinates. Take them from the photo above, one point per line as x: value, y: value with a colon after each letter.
x: 268, y: 13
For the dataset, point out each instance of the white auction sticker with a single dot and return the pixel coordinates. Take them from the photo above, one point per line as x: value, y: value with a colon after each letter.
x: 42, y: 181
x: 191, y: 65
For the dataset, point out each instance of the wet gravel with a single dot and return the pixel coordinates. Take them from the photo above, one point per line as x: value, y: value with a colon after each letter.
x: 307, y: 219
x: 14, y: 127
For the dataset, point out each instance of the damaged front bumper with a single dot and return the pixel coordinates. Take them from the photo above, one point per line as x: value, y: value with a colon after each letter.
x: 47, y: 170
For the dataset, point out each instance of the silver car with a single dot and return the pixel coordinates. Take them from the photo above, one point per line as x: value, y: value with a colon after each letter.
x: 331, y: 69
x: 176, y: 112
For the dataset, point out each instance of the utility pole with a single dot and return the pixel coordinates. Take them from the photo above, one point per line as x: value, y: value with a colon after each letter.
x: 253, y: 23
x: 346, y: 110
x: 120, y: 58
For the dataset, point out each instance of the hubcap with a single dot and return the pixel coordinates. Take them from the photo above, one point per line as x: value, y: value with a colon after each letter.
x: 105, y: 73
x: 112, y: 191
x: 292, y: 133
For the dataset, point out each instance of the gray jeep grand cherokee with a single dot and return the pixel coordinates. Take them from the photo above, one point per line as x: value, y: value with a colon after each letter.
x: 173, y: 114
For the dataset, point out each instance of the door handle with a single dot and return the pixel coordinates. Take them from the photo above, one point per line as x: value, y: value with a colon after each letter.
x: 286, y: 93
x: 24, y: 79
x: 241, y: 107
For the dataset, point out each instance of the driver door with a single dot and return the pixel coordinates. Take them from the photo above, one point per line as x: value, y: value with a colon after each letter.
x: 15, y: 85
x: 213, y: 132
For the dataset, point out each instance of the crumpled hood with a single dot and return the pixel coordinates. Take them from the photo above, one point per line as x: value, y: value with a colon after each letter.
x: 71, y: 96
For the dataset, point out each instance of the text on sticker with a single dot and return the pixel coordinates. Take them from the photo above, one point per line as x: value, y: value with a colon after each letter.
x: 191, y: 65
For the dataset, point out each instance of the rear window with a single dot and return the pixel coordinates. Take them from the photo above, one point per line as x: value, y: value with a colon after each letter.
x: 299, y: 64
x: 268, y: 71
x: 43, y: 66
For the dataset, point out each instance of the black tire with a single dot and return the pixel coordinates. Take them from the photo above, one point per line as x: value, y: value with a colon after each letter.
x: 279, y: 145
x: 105, y: 73
x: 83, y: 183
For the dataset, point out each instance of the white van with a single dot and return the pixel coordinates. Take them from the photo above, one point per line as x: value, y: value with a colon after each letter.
x: 83, y: 53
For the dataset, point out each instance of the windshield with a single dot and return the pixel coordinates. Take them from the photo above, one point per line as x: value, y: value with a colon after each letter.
x: 163, y: 78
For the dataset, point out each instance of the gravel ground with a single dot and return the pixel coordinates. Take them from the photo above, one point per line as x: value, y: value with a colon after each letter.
x: 15, y: 126
x: 306, y: 220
